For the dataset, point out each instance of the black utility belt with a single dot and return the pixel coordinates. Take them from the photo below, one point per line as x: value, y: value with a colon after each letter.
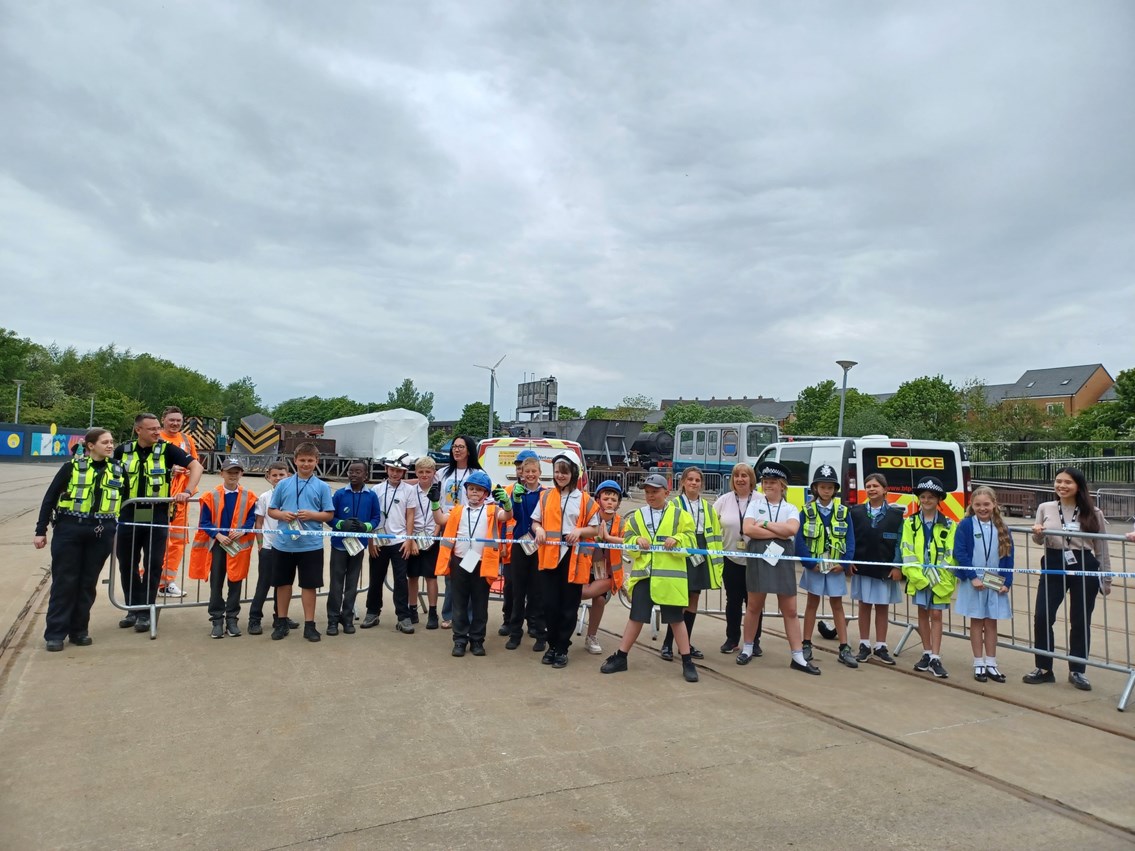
x: 85, y: 519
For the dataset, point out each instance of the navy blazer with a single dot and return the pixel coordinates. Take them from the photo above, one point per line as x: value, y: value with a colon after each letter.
x: 963, y: 553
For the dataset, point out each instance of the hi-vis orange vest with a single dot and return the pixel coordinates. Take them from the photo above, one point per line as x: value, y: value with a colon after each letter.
x: 490, y: 556
x: 184, y: 442
x: 614, y: 557
x: 201, y: 554
x: 551, y: 518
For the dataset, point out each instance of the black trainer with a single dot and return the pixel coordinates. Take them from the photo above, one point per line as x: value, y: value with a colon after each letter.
x: 690, y: 672
x: 478, y: 648
x: 512, y: 643
x: 348, y: 626
x: 128, y: 621
x: 232, y: 628
x: 548, y: 658
x: 883, y: 655
x: 937, y: 669
x: 458, y: 650
x: 614, y: 664
x: 255, y: 627
x: 310, y: 632
x: 540, y: 646
x: 504, y: 630
x: 218, y: 630
x: 560, y: 660
x: 280, y: 629
x: 729, y: 646
x: 864, y: 653
x: 923, y: 664
x: 846, y: 658
x: 332, y: 628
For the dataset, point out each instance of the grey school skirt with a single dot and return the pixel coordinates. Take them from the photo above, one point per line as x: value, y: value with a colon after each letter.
x: 697, y: 575
x: 764, y: 578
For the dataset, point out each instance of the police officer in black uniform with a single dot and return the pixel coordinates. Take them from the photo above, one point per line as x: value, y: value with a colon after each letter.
x: 82, y: 504
x: 147, y: 466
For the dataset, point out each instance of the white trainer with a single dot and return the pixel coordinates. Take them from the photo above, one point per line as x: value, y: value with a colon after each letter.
x: 591, y: 644
x: 171, y: 590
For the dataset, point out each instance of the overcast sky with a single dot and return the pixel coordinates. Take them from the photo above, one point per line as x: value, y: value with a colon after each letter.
x: 661, y: 198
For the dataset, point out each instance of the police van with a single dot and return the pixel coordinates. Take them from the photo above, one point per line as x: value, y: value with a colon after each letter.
x: 498, y: 457
x: 902, y: 462
x: 716, y: 447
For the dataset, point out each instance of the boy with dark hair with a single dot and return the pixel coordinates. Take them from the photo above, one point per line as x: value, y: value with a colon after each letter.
x: 266, y: 527
x: 356, y: 510
x: 302, y: 504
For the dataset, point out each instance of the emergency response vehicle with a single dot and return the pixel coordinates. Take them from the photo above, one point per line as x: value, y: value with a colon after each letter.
x: 903, y: 462
x: 716, y: 447
x: 498, y: 457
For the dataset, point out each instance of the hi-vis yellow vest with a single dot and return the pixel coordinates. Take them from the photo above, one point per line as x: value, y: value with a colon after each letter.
x: 157, y: 476
x: 79, y: 497
x: 816, y: 533
x: 713, y: 541
x: 666, y: 571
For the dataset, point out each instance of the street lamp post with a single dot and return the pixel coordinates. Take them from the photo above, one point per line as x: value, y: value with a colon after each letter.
x: 19, y: 382
x: 92, y: 423
x: 846, y: 366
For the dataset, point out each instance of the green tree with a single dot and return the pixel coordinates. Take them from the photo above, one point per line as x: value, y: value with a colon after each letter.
x: 317, y: 409
x: 633, y: 408
x: 567, y: 412
x: 596, y: 412
x: 239, y: 399
x: 407, y: 396
x: 811, y: 406
x: 474, y: 421
x: 683, y: 412
x: 439, y: 437
x: 927, y: 407
x: 729, y: 414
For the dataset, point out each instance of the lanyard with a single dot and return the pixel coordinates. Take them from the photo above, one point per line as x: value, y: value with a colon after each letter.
x: 564, y: 502
x: 421, y: 506
x: 456, y: 487
x: 299, y: 490
x: 393, y: 497
x: 927, y: 536
x: 876, y: 514
x: 472, y: 527
x: 741, y: 512
x: 698, y: 517
x: 779, y: 505
x: 648, y: 515
x: 1075, y: 515
x: 986, y: 540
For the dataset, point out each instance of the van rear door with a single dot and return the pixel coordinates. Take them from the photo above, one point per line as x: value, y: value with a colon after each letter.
x: 904, y: 462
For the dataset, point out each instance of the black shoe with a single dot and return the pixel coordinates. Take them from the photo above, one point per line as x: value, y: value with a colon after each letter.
x: 371, y: 620
x: 864, y: 654
x: 348, y: 626
x: 729, y: 646
x: 53, y: 645
x: 995, y: 675
x: 142, y: 624
x: 690, y: 672
x: 697, y: 654
x: 310, y: 632
x: 458, y: 650
x: 1079, y: 681
x: 254, y: 627
x: 280, y: 629
x: 504, y: 630
x: 923, y: 664
x: 667, y: 653
x: 757, y: 649
x: 807, y: 649
x: 614, y: 664
x: 512, y: 643
x: 744, y: 658
x: 826, y: 631
x: 540, y: 646
x: 980, y: 675
x: 548, y: 658
x: 478, y: 648
x: 881, y: 654
x: 292, y: 624
x: 232, y: 628
x: 937, y: 669
x: 218, y: 630
x: 414, y: 615
x: 845, y: 657
x: 1040, y: 675
x: 560, y: 660
x: 128, y: 621
x: 81, y: 639
x: 332, y: 628
x: 431, y: 621
x: 807, y: 668
x: 533, y: 633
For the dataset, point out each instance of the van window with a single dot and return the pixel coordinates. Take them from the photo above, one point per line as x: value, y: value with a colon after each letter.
x: 711, y: 450
x: 903, y: 466
x: 796, y: 459
x: 685, y: 441
x: 699, y: 444
x: 758, y: 436
x: 729, y: 443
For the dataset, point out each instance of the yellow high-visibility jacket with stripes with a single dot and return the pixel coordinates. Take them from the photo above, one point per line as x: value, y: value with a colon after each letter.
x: 915, y: 562
x: 666, y: 571
x: 713, y: 540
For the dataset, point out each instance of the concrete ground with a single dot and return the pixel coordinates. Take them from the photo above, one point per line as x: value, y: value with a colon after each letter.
x: 382, y: 739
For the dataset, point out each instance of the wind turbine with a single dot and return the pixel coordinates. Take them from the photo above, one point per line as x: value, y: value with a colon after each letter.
x: 492, y: 387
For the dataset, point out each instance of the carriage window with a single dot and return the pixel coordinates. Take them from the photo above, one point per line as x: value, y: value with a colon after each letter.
x: 729, y: 443
x: 699, y: 443
x: 712, y: 452
x: 685, y: 441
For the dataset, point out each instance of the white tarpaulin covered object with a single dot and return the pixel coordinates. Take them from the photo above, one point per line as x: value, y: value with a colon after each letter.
x: 380, y: 434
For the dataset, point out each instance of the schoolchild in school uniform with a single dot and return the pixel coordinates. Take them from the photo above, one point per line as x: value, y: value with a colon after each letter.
x: 703, y: 572
x: 564, y: 516
x: 826, y: 543
x: 606, y: 565
x: 302, y: 504
x: 471, y: 560
x: 927, y: 548
x: 394, y: 495
x: 356, y: 511
x: 657, y: 578
x: 875, y: 585
x: 423, y: 552
x: 771, y: 523
x: 504, y: 533
x: 983, y: 550
x: 265, y: 527
x: 524, y: 566
x: 218, y: 552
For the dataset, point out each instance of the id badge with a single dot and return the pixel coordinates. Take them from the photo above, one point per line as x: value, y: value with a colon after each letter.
x: 772, y: 553
x: 353, y: 546
x: 824, y: 566
x: 993, y: 580
x: 470, y: 560
x: 295, y: 528
x: 932, y: 575
x: 1070, y: 557
x: 1072, y: 526
x: 697, y: 560
x: 528, y: 544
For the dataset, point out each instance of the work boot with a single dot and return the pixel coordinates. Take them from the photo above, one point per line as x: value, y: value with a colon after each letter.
x: 53, y: 645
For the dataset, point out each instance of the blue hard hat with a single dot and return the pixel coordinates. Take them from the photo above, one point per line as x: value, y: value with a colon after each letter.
x: 526, y: 455
x: 481, y: 479
x: 609, y: 485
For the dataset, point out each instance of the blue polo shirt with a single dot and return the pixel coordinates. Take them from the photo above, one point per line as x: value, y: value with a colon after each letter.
x: 296, y: 494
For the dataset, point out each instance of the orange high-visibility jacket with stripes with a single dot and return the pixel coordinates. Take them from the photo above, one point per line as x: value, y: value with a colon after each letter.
x: 179, y: 481
x: 490, y: 556
x: 201, y: 554
x: 614, y: 557
x: 551, y: 518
